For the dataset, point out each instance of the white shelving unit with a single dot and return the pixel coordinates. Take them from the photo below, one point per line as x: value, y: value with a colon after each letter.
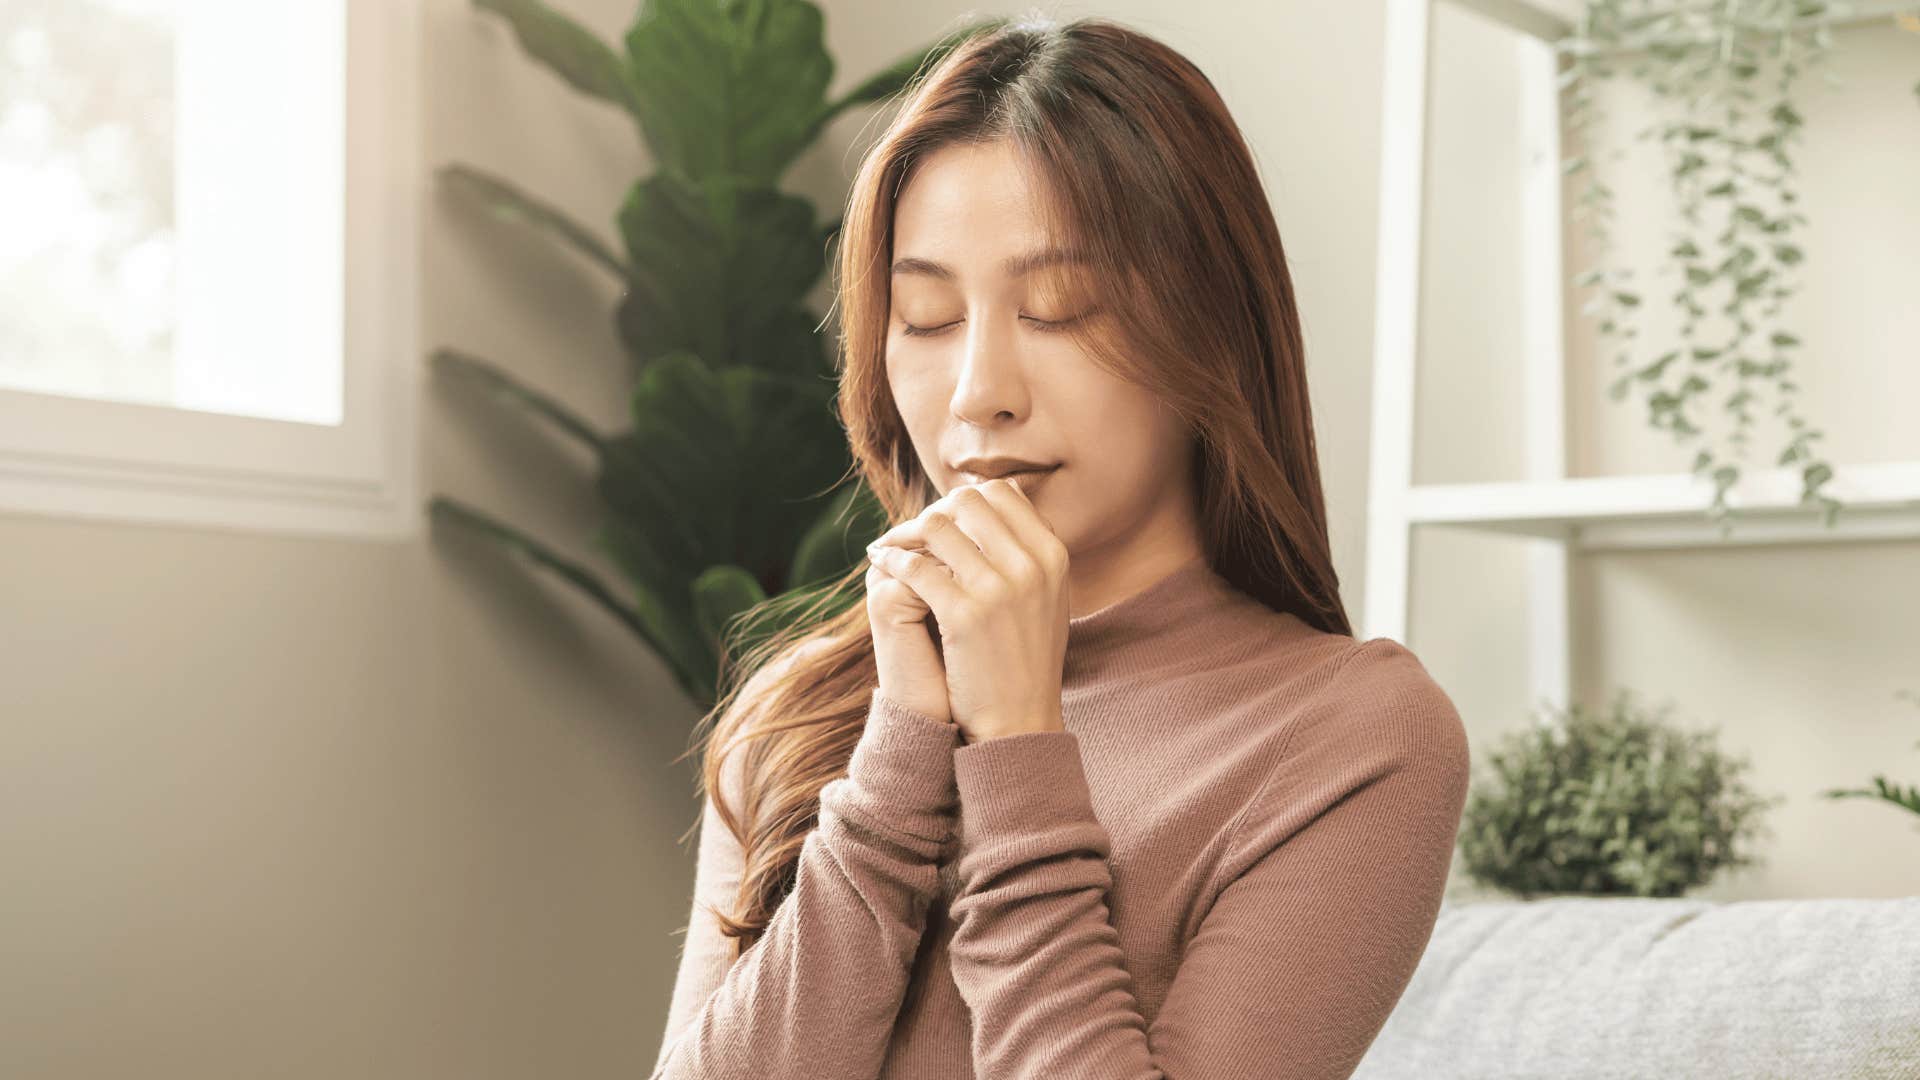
x: 1563, y: 515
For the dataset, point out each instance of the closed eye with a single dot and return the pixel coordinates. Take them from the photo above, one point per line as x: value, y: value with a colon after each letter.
x: 1041, y: 325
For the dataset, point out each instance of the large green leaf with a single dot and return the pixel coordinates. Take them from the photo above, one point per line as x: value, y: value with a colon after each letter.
x: 720, y: 269
x: 723, y: 466
x: 669, y: 633
x: 662, y: 604
x: 720, y: 469
x: 575, y: 53
x: 721, y: 594
x: 672, y: 542
x: 503, y: 200
x: 500, y: 384
x: 838, y: 538
x: 789, y: 342
x: 729, y: 87
x: 792, y: 452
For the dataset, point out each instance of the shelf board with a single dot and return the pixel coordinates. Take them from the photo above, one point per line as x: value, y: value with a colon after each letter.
x: 1548, y: 20
x: 1880, y: 502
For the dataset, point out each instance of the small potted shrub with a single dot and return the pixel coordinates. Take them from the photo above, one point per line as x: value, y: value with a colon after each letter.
x: 1613, y: 803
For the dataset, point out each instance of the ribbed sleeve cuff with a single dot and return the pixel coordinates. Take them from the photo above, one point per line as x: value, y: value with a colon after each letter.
x: 1024, y: 797
x: 905, y: 757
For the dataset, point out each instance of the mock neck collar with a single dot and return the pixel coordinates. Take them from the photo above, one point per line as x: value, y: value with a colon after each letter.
x: 1114, y: 638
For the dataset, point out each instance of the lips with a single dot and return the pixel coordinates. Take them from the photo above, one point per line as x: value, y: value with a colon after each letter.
x: 1029, y: 480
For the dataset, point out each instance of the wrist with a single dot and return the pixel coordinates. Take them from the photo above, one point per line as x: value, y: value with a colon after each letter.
x: 1051, y: 722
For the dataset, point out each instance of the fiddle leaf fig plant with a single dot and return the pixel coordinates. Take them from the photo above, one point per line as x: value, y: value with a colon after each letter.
x: 1724, y: 75
x: 719, y: 501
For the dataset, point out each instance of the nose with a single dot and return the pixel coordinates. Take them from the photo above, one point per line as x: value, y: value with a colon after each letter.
x: 992, y: 381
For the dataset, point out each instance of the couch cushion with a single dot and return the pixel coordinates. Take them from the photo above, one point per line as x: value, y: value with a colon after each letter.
x: 1618, y: 987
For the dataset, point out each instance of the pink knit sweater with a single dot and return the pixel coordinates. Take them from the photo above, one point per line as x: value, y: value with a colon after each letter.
x: 1227, y: 865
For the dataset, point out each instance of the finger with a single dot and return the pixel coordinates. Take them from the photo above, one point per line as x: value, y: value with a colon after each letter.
x: 947, y: 541
x: 1024, y: 519
x: 925, y: 576
x: 911, y: 532
x: 897, y: 602
x: 877, y: 568
x: 984, y: 522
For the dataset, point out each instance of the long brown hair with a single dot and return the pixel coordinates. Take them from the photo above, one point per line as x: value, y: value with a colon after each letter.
x: 1147, y: 176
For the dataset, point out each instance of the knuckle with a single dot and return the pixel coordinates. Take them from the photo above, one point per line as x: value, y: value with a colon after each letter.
x: 1055, y: 555
x: 1024, y: 574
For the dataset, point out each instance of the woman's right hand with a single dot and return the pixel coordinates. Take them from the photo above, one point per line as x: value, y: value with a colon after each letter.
x: 911, y: 671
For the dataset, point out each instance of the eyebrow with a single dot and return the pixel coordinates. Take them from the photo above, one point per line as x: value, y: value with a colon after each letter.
x: 1015, y: 265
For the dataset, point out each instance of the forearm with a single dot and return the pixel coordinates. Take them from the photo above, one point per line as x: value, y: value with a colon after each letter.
x: 818, y: 993
x: 1032, y: 915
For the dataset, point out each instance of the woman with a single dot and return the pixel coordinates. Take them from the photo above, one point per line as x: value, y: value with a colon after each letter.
x: 1097, y: 781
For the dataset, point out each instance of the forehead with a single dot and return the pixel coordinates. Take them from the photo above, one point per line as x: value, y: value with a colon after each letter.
x: 968, y: 207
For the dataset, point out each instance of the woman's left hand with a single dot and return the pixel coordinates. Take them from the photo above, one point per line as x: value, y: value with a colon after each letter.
x: 1000, y: 600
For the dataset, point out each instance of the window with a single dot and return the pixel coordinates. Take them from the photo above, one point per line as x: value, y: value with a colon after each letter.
x: 207, y: 261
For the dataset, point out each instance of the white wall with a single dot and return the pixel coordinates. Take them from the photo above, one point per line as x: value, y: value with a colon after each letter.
x: 324, y: 808
x: 1793, y: 653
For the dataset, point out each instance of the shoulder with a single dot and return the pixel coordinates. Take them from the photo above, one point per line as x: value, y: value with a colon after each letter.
x: 1382, y: 674
x: 1378, y: 703
x: 1368, y: 744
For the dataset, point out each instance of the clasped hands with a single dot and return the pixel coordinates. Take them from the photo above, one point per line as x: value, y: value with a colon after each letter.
x: 995, y: 576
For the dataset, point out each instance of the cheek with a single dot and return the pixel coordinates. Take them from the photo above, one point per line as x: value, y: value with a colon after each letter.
x: 1093, y: 409
x: 1139, y: 447
x: 918, y: 396
x: 921, y: 404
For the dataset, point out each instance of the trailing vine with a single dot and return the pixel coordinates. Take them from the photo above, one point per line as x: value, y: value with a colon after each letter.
x: 1729, y: 66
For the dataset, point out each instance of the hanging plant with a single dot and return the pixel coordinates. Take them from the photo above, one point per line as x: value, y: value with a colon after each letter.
x: 1724, y: 73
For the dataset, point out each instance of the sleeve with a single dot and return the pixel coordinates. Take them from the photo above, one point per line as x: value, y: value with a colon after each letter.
x: 1332, y: 884
x: 818, y: 993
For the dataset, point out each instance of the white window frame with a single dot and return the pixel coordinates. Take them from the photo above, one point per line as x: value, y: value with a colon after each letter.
x: 98, y: 459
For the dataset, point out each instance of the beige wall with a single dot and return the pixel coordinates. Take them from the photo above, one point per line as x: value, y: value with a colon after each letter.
x: 324, y: 808
x: 320, y: 808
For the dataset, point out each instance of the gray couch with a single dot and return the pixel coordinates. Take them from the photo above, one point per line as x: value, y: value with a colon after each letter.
x: 1585, y: 988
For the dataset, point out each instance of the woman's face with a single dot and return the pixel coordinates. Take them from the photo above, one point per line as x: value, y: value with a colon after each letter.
x: 976, y: 370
